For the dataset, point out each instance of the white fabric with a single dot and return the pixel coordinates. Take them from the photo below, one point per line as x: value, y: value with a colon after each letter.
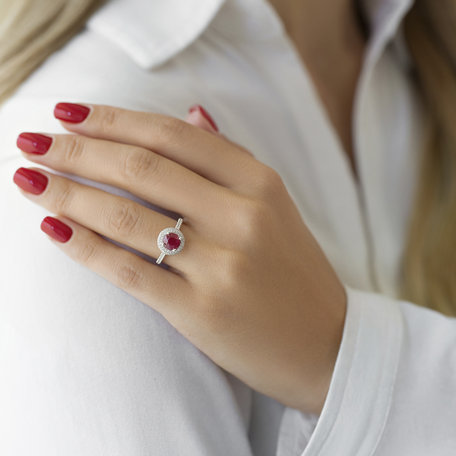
x: 89, y: 370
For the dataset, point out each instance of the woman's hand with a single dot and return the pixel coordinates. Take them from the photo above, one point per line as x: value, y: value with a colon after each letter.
x: 251, y: 288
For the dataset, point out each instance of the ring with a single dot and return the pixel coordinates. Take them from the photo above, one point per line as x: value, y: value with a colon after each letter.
x: 170, y: 241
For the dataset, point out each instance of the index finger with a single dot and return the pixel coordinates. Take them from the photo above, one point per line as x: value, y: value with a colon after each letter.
x: 204, y: 153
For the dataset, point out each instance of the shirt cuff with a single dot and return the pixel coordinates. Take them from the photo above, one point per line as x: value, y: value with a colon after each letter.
x: 360, y: 392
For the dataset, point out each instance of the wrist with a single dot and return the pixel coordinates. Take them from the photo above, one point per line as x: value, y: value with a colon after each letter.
x: 332, y: 334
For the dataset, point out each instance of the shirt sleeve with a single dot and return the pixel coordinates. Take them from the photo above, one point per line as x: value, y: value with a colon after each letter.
x: 393, y: 389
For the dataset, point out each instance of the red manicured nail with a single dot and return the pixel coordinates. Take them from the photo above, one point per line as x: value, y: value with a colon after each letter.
x: 70, y: 112
x: 56, y: 229
x: 34, y: 143
x: 30, y: 180
x: 205, y: 114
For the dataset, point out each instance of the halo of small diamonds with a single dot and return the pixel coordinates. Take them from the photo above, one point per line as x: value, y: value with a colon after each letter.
x: 161, y: 240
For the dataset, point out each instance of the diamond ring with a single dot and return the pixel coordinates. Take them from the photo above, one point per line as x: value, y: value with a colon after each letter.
x: 170, y: 241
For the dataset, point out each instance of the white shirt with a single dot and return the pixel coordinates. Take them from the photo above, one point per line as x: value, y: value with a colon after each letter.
x: 89, y: 370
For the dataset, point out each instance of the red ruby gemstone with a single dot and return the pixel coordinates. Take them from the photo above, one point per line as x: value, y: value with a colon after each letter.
x: 171, y: 241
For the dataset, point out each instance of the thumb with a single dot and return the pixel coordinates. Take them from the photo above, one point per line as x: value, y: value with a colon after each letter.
x: 199, y: 117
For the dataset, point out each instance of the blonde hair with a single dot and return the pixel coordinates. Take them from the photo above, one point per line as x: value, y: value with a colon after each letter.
x: 429, y: 260
x: 31, y: 30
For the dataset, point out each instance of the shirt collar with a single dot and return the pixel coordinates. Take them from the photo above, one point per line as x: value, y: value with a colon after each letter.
x: 385, y: 18
x: 381, y: 12
x: 153, y: 31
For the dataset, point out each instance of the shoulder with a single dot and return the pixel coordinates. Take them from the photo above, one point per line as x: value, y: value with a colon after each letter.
x: 124, y: 46
x: 135, y: 54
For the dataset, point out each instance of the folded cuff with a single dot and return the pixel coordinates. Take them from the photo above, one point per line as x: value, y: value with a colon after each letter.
x: 359, y: 396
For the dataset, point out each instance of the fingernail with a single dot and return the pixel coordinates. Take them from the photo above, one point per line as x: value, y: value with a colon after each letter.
x: 31, y: 181
x: 56, y: 229
x: 34, y: 143
x: 70, y: 112
x: 205, y: 114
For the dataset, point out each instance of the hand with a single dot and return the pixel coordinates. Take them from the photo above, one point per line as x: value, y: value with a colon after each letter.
x: 251, y: 288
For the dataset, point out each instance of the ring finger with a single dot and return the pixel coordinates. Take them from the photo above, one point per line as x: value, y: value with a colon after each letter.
x: 118, y: 218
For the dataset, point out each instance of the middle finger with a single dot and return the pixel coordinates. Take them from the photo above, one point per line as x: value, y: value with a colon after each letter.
x: 150, y: 176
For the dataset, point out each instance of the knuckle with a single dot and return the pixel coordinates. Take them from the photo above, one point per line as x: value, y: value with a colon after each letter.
x: 268, y: 182
x: 230, y: 272
x: 246, y: 151
x: 108, y: 120
x: 138, y: 164
x: 214, y: 302
x: 251, y: 217
x: 216, y: 305
x: 127, y: 276
x: 74, y: 150
x: 87, y: 252
x: 123, y: 219
x: 171, y: 127
x: 63, y: 199
x: 235, y: 267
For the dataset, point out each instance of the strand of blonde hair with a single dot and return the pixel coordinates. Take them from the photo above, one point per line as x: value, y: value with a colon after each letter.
x: 429, y: 259
x: 31, y: 30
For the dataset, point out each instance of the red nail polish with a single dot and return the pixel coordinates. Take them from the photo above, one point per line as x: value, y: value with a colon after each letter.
x: 31, y: 181
x: 56, y: 229
x: 205, y: 114
x: 70, y: 112
x: 34, y: 143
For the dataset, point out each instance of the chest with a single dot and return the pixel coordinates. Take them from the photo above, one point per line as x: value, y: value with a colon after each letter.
x: 357, y: 202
